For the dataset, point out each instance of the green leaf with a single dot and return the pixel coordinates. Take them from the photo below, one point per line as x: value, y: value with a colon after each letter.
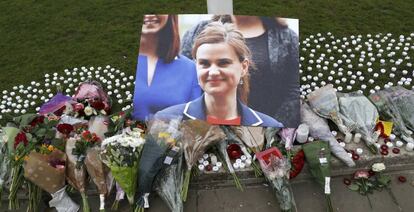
x: 353, y: 187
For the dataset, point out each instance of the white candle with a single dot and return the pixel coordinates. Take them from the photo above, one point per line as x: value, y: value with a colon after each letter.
x: 243, y: 157
x: 238, y: 161
x: 201, y: 167
x: 248, y: 162
x: 357, y: 137
x: 219, y: 164
x: 399, y: 143
x: 359, y: 151
x: 201, y: 160
x: 392, y: 137
x: 348, y: 137
x: 216, y: 168
x: 205, y: 156
x: 342, y: 144
x: 409, y: 147
x: 213, y: 159
x: 236, y: 166
x: 390, y: 145
x: 242, y: 165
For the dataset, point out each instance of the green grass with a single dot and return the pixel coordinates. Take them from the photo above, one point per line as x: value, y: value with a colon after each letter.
x: 39, y: 37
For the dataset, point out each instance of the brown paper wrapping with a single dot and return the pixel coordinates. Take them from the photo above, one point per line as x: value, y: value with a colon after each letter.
x: 96, y: 169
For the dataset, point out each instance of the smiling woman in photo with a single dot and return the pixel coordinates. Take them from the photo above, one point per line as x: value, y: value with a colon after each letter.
x: 222, y: 60
x: 164, y: 78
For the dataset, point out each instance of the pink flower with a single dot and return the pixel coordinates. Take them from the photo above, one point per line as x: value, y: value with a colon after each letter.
x: 361, y: 174
x: 78, y: 106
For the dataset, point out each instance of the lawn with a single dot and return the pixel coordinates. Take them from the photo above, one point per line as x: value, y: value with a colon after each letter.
x: 39, y: 37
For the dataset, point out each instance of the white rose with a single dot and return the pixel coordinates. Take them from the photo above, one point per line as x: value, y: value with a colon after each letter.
x: 378, y: 167
x: 88, y: 110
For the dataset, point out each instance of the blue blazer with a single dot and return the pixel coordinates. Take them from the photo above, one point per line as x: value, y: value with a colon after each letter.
x: 196, y: 110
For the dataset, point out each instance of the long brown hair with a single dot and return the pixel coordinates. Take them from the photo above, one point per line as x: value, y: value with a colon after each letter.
x: 217, y: 32
x: 169, y: 40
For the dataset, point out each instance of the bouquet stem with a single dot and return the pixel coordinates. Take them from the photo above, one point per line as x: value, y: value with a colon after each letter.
x: 186, y: 184
x: 139, y: 209
x: 237, y: 182
x: 257, y: 171
x: 35, y: 194
x: 17, y: 181
x: 394, y: 199
x: 115, y: 205
x: 85, y: 204
x: 329, y: 202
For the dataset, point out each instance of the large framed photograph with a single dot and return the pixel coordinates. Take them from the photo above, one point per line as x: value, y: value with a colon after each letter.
x: 224, y: 69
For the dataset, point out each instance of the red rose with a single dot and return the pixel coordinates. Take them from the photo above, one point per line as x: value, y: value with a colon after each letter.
x: 20, y: 137
x: 97, y: 105
x: 37, y: 120
x: 95, y: 138
x: 60, y: 111
x: 78, y: 107
x: 298, y: 162
x: 65, y: 129
x: 86, y: 135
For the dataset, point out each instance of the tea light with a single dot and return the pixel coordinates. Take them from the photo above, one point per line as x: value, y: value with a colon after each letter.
x: 392, y: 137
x: 334, y: 133
x: 390, y: 145
x: 243, y: 157
x: 248, y: 162
x: 215, y: 168
x: 357, y: 137
x: 348, y: 137
x: 342, y: 144
x: 409, y: 147
x: 205, y: 163
x: 350, y: 155
x: 359, y: 151
x: 201, y: 167
x: 242, y: 165
x: 377, y: 145
x: 219, y: 164
x: 201, y: 160
x: 205, y: 156
x: 236, y: 166
x: 399, y: 143
x: 238, y: 161
x: 213, y: 159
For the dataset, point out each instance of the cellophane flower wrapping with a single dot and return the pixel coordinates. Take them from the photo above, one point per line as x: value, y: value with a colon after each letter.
x: 318, y: 156
x: 276, y: 171
x: 4, y: 159
x: 121, y: 153
x: 288, y: 136
x: 319, y: 129
x: 98, y: 125
x: 358, y: 113
x: 325, y: 103
x: 162, y: 134
x: 54, y: 104
x: 252, y: 137
x: 198, y: 136
x: 404, y: 101
x: 169, y: 183
x: 76, y: 175
x: 389, y: 111
x: 92, y: 90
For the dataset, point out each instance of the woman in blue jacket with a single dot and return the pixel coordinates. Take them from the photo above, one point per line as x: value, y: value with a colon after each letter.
x: 222, y: 61
x: 163, y: 77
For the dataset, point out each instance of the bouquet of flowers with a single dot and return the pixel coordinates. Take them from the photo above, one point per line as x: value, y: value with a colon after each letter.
x: 325, y: 103
x: 99, y: 174
x: 46, y: 169
x: 252, y: 137
x: 319, y: 129
x: 359, y: 112
x: 276, y: 169
x: 389, y: 111
x: 318, y: 155
x: 403, y: 100
x: 121, y: 153
x: 91, y: 100
x: 169, y: 182
x: 160, y: 138
x: 7, y: 133
x: 198, y: 135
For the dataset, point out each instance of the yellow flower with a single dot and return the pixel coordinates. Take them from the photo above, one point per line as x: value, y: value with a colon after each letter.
x: 171, y: 140
x: 16, y: 158
x: 50, y: 148
x: 163, y: 135
x: 26, y: 158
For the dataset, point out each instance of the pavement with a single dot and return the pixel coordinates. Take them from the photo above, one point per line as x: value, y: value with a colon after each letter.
x: 216, y: 192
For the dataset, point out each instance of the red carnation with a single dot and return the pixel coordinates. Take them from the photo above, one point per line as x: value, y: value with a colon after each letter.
x: 97, y: 105
x: 20, y: 137
x: 65, y: 129
x: 86, y: 135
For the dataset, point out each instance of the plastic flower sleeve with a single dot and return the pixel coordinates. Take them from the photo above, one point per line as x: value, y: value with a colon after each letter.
x: 288, y: 137
x: 62, y: 202
x: 4, y: 161
x: 404, y: 101
x: 357, y: 111
x: 319, y: 129
x: 169, y: 183
x: 98, y: 125
x: 325, y: 103
x: 54, y: 104
x: 198, y: 135
x: 270, y: 135
x: 252, y: 137
x: 98, y: 172
x: 389, y: 111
